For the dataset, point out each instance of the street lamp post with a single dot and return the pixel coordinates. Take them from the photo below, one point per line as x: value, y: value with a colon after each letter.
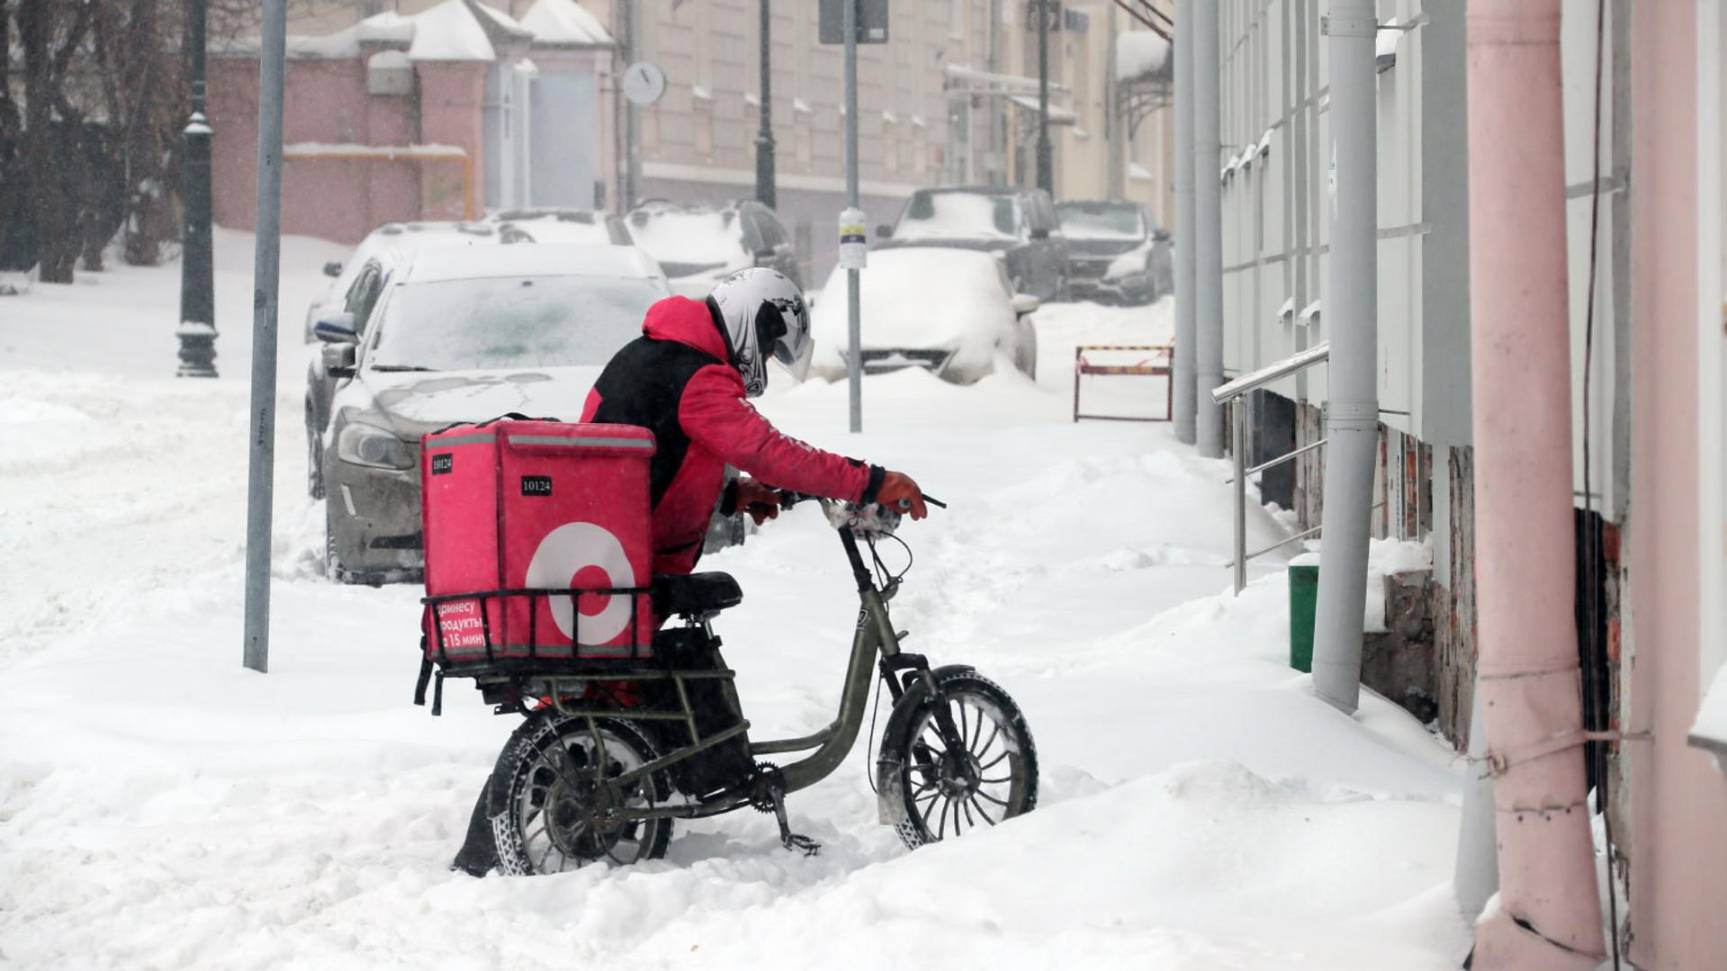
x: 765, y: 134
x: 197, y: 330
x: 1045, y: 153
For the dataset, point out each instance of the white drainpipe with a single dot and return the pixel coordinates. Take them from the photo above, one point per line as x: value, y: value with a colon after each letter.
x: 1352, y: 411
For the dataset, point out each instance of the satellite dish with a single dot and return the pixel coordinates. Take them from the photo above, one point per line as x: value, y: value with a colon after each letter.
x: 644, y: 83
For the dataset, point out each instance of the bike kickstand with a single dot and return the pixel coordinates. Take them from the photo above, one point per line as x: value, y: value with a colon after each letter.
x: 789, y: 839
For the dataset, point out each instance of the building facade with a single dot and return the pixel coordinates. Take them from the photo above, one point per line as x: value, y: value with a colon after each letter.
x: 950, y: 98
x: 440, y: 114
x: 1644, y: 216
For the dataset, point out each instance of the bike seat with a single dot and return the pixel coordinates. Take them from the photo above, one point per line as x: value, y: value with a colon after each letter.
x: 695, y: 595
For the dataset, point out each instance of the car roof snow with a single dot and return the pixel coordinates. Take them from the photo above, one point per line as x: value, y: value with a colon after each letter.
x: 540, y: 259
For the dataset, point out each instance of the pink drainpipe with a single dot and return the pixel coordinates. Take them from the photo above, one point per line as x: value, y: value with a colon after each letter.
x: 1549, y: 918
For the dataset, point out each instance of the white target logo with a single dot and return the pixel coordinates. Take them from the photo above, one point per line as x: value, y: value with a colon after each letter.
x: 566, y: 552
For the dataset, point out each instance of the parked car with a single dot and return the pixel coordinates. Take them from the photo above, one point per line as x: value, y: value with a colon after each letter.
x: 559, y: 225
x: 1116, y: 252
x: 1019, y: 224
x: 461, y: 335
x: 698, y: 244
x: 948, y: 311
x: 381, y: 249
x: 353, y: 294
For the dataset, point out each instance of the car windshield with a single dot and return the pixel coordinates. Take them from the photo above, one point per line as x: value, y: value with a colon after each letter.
x: 510, y: 322
x: 1101, y: 222
x: 959, y: 215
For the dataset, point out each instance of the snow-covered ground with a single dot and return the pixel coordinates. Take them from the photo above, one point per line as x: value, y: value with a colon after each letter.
x: 162, y: 807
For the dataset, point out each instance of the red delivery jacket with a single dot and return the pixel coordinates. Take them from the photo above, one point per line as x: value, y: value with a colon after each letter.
x: 676, y: 380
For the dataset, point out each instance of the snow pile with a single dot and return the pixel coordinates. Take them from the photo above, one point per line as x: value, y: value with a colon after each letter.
x: 160, y: 806
x: 564, y: 22
x: 1141, y: 55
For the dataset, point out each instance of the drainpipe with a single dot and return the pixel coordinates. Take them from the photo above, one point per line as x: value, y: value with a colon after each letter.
x: 1476, y: 876
x: 1186, y: 383
x: 1352, y: 411
x: 1207, y: 231
x: 1549, y: 917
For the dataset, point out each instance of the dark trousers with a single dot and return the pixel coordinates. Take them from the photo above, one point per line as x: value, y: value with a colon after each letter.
x: 479, y: 852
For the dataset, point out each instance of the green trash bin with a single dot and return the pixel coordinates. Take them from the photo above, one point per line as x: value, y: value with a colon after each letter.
x: 1303, y: 595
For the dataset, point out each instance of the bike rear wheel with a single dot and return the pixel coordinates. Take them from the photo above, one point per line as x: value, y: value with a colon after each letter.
x: 947, y: 790
x: 553, y: 798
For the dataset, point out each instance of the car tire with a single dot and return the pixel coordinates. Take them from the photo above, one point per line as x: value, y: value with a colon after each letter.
x: 333, y: 569
x: 314, y: 460
x: 1025, y: 352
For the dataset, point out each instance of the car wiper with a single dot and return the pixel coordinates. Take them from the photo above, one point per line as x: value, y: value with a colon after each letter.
x: 400, y: 367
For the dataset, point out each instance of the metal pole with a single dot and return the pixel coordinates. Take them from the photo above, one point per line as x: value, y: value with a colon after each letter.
x: 1352, y: 411
x: 1238, y: 413
x: 765, y: 135
x: 854, y: 312
x: 1113, y: 115
x: 1185, y: 382
x: 1207, y: 231
x: 197, y: 330
x: 996, y: 155
x: 261, y: 428
x: 632, y: 113
x: 1045, y: 152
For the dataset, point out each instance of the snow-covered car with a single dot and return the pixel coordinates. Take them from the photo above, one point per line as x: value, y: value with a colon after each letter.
x: 462, y: 335
x: 352, y: 289
x: 353, y: 294
x: 698, y: 244
x: 948, y: 311
x: 1019, y: 224
x: 559, y: 225
x: 1115, y: 252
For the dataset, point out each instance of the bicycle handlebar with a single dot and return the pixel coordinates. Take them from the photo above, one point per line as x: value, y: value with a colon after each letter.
x: 788, y: 498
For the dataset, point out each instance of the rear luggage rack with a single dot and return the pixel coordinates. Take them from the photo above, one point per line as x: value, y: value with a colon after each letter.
x: 458, y: 667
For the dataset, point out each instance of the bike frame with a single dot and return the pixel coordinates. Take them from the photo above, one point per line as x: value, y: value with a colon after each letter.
x: 875, y: 641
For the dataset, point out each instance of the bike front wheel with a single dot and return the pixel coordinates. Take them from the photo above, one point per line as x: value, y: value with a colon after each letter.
x: 958, y: 759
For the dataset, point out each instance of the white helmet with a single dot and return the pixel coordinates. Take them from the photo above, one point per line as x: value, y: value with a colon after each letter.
x: 763, y: 312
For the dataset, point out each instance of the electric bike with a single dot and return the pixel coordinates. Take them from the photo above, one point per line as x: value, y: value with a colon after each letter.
x: 610, y: 752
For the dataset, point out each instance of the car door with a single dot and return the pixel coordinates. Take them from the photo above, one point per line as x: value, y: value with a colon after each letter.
x: 361, y: 298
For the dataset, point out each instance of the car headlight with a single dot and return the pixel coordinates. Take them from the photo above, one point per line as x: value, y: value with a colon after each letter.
x: 362, y: 444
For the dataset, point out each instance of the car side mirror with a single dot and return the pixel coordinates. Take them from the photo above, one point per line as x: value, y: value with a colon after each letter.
x: 1039, y: 232
x: 339, y: 360
x: 333, y: 268
x: 1161, y: 236
x: 337, y: 328
x: 883, y: 231
x: 1024, y: 303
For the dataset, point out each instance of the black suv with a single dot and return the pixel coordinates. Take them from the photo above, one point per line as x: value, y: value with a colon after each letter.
x: 1115, y: 252
x: 1020, y: 224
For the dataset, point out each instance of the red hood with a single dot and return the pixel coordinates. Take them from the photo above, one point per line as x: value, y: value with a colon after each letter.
x: 687, y: 322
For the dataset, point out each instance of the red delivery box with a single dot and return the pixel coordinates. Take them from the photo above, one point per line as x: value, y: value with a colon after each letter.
x: 513, y: 506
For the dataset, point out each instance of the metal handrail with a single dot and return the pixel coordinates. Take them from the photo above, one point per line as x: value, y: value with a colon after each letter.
x: 1285, y: 457
x: 1233, y: 391
x: 1300, y: 361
